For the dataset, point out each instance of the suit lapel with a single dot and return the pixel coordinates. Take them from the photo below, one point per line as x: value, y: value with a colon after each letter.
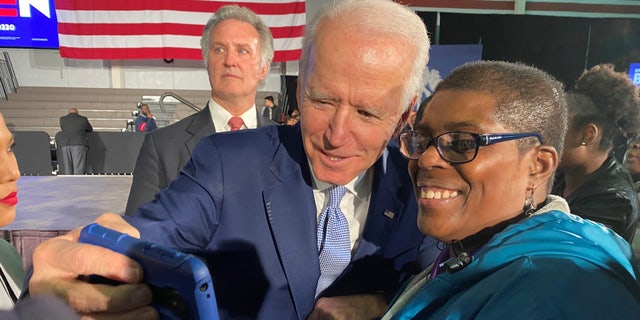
x: 200, y: 126
x: 291, y: 213
x: 383, y: 207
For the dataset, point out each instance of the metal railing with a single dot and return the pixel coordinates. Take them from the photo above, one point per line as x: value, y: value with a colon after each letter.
x: 12, y: 73
x: 177, y: 97
x: 8, y: 80
x: 3, y: 92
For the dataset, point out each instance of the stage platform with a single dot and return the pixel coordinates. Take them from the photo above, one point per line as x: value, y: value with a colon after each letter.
x: 66, y: 202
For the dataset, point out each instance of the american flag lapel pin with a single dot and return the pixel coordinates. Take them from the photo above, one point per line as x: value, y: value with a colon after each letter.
x: 389, y: 214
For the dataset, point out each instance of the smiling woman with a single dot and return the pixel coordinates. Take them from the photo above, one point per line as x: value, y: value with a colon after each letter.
x: 482, y: 159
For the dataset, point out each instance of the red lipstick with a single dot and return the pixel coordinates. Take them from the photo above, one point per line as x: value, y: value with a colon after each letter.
x: 11, y: 199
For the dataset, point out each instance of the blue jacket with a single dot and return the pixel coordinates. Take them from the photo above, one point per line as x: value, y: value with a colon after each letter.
x: 244, y: 202
x: 550, y: 266
x: 145, y: 124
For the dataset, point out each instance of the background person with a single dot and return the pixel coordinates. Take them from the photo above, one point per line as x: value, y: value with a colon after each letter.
x: 237, y: 48
x: 294, y: 118
x: 632, y: 162
x: 271, y: 110
x: 483, y: 158
x: 250, y: 202
x: 73, y: 142
x: 145, y: 122
x: 602, y: 106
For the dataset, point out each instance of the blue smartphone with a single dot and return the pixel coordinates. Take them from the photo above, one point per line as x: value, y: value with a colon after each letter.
x: 181, y: 283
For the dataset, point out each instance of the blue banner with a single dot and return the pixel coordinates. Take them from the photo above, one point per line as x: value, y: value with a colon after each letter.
x: 443, y: 59
x: 634, y: 73
x: 28, y: 24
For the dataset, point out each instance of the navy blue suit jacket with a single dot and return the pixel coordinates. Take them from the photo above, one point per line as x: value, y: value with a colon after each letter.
x: 165, y: 151
x: 245, y: 204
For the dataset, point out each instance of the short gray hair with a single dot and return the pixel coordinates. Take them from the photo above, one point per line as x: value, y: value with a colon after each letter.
x: 383, y: 17
x: 236, y: 12
x: 528, y: 99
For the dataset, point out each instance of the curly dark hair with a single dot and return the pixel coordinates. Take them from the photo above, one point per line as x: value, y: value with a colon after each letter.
x: 614, y: 107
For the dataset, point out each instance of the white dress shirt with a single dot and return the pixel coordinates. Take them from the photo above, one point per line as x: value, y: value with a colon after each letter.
x: 354, y: 204
x: 220, y: 117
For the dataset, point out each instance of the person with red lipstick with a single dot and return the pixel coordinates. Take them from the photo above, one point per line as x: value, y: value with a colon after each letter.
x: 10, y: 262
x: 11, y: 270
x: 482, y: 162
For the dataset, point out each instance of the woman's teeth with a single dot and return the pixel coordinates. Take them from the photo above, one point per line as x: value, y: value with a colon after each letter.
x: 430, y: 194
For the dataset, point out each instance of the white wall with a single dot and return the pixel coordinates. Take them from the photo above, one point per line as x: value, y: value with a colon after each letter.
x: 45, y: 68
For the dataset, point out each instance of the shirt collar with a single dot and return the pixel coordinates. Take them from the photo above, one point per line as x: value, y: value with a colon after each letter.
x: 360, y: 186
x: 220, y: 116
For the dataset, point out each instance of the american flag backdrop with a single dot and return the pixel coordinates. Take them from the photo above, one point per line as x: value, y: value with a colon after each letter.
x: 564, y: 8
x: 164, y: 29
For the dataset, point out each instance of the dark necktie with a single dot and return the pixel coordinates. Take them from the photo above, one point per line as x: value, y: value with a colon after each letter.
x: 235, y: 123
x: 334, y: 247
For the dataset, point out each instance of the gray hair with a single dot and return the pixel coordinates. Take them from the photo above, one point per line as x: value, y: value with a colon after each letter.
x: 528, y: 99
x: 381, y: 17
x: 236, y: 12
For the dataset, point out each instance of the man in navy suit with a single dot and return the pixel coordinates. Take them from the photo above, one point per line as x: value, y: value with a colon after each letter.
x: 249, y: 202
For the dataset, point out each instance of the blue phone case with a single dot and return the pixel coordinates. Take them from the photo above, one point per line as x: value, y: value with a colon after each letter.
x: 181, y: 283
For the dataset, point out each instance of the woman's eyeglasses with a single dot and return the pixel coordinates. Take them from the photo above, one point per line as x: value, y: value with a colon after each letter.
x: 454, y: 147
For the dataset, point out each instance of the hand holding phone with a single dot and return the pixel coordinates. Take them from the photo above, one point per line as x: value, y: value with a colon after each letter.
x: 181, y: 283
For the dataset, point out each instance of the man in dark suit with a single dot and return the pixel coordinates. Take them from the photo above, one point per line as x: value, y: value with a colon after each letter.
x: 166, y: 150
x: 271, y: 110
x: 73, y: 142
x: 250, y: 202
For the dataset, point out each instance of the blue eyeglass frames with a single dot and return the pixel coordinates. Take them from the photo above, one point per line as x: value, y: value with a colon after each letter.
x: 454, y: 147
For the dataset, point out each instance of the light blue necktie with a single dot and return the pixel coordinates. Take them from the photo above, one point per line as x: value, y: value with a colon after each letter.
x: 334, y: 246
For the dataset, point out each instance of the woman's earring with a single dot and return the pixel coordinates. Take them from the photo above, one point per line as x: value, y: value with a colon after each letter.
x: 583, y: 143
x: 529, y: 204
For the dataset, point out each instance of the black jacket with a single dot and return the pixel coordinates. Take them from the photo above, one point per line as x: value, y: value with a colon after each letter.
x: 74, y: 130
x: 608, y: 196
x: 276, y: 113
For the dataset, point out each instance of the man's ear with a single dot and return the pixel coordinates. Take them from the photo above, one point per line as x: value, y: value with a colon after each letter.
x: 402, y: 122
x: 406, y: 115
x: 298, y: 98
x: 543, y: 166
x: 264, y: 70
x: 412, y: 105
